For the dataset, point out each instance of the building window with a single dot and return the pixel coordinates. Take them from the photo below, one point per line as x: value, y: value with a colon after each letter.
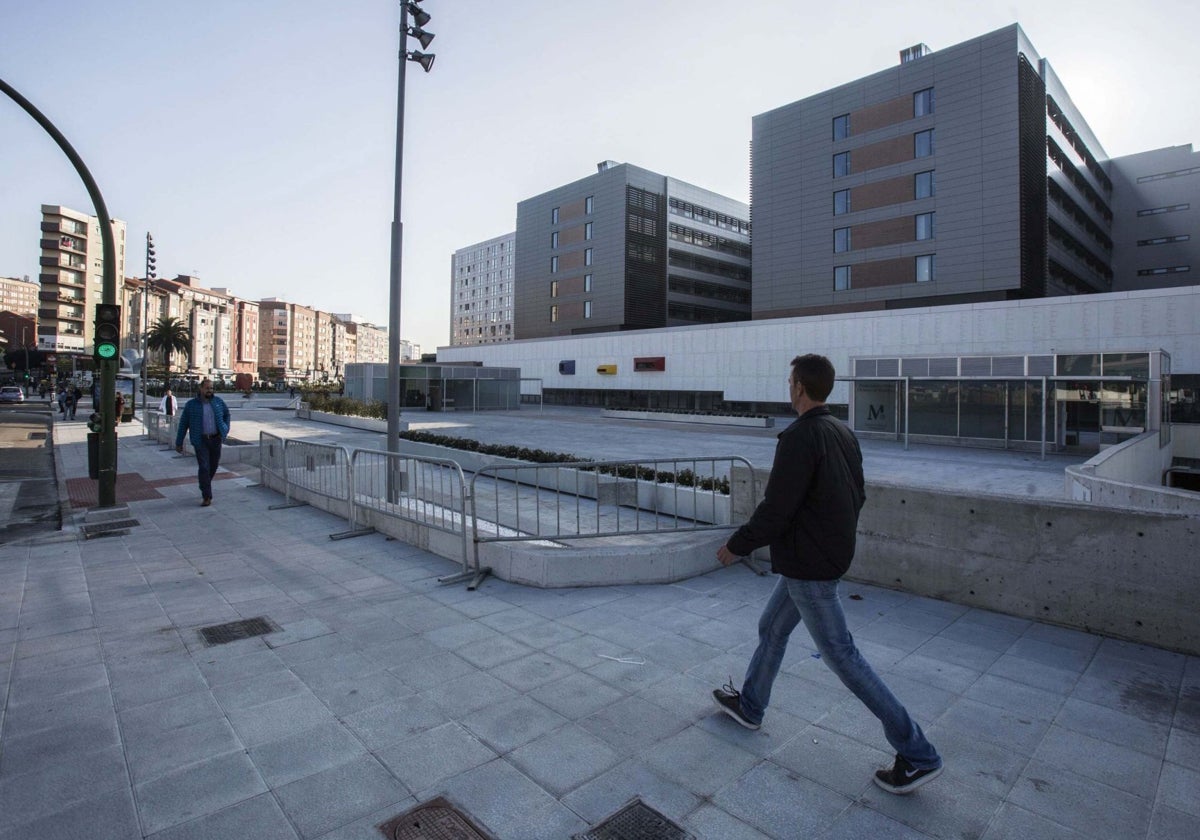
x: 924, y: 226
x: 925, y: 268
x: 587, y: 309
x: 554, y: 239
x: 587, y: 256
x: 1155, y: 211
x: 841, y: 202
x: 923, y: 143
x: 554, y: 313
x: 841, y: 278
x: 841, y: 164
x: 923, y: 185
x: 1174, y: 269
x: 841, y: 240
x: 554, y: 216
x: 553, y: 288
x: 923, y: 102
x: 554, y: 265
x: 841, y: 127
x: 1165, y: 240
x: 587, y: 282
x: 587, y: 230
x: 587, y: 204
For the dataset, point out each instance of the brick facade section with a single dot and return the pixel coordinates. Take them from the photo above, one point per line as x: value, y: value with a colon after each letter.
x: 882, y: 193
x: 571, y: 211
x: 568, y: 262
x: 884, y: 153
x: 883, y: 114
x: 570, y: 236
x: 894, y: 272
x: 883, y: 232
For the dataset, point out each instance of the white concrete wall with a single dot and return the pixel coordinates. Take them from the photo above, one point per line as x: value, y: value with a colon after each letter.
x: 748, y: 361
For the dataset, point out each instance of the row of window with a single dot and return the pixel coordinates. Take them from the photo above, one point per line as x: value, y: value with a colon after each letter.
x: 587, y: 285
x: 924, y: 272
x: 1163, y: 175
x: 1155, y: 211
x: 587, y: 234
x: 710, y: 217
x: 922, y: 147
x: 922, y: 106
x: 587, y: 260
x: 588, y: 207
x: 1174, y: 269
x: 700, y: 239
x: 1165, y: 240
x: 587, y: 311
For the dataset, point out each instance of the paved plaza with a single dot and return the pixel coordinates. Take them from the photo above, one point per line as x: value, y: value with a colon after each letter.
x: 536, y: 712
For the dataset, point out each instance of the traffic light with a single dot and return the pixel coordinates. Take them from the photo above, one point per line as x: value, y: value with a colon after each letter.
x: 107, y: 331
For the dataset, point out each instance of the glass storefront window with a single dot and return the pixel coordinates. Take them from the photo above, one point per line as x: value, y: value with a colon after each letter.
x: 1087, y: 364
x: 981, y: 413
x: 933, y: 408
x: 1127, y: 364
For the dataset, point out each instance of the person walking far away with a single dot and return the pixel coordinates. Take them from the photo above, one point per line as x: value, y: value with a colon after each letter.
x: 168, y: 405
x: 808, y: 517
x: 205, y: 420
x: 69, y: 404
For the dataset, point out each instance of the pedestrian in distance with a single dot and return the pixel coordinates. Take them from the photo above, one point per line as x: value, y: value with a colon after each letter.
x: 69, y: 404
x: 120, y: 409
x: 205, y: 420
x: 808, y: 517
x: 62, y: 401
x: 168, y: 405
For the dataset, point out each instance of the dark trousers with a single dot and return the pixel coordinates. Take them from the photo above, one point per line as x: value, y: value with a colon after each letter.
x: 208, y: 458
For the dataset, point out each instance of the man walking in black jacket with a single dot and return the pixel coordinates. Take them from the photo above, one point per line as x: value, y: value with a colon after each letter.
x: 808, y: 517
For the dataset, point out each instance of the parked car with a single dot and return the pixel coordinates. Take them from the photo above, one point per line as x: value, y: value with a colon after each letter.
x: 11, y: 394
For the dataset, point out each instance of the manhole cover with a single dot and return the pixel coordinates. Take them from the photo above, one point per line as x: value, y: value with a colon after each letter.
x: 220, y: 634
x: 635, y: 821
x: 436, y: 819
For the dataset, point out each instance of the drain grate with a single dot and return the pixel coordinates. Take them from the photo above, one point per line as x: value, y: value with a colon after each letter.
x: 37, y: 435
x: 436, y: 819
x: 635, y: 821
x: 221, y: 634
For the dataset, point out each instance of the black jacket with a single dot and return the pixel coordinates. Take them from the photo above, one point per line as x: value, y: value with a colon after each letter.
x: 809, y: 513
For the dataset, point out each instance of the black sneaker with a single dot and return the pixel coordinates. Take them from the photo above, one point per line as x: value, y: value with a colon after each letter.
x: 902, y: 778
x: 729, y: 701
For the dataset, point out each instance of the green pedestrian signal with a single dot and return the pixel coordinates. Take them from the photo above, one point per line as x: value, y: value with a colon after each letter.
x: 107, y: 331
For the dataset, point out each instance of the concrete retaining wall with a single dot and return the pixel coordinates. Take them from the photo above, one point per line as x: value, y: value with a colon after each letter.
x: 1130, y: 475
x: 1130, y: 575
x: 673, y: 417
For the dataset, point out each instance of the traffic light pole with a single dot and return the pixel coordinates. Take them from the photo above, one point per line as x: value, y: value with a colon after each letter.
x: 108, y: 367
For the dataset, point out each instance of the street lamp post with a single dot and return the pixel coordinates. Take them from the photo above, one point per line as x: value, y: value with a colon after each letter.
x: 420, y: 18
x: 151, y: 265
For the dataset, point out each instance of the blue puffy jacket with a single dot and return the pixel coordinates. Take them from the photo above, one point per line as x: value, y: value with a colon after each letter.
x: 191, y: 421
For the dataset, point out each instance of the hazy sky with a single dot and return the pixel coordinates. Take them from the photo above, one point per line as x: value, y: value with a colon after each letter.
x: 255, y: 138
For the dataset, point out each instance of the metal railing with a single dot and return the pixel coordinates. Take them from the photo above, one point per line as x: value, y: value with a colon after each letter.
x: 431, y: 492
x: 601, y: 498
x: 506, y: 502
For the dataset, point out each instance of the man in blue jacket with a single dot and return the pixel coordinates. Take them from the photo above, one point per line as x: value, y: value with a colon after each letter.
x: 205, y: 420
x: 809, y: 517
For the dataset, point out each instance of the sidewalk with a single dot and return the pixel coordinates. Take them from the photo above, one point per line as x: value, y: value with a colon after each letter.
x: 537, y: 712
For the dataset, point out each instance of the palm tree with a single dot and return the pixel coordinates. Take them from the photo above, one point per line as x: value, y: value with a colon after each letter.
x: 170, y: 336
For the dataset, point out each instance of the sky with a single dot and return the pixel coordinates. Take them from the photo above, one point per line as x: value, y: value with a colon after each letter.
x: 255, y: 139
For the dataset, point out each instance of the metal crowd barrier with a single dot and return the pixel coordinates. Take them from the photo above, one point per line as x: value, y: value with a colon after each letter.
x: 606, y: 499
x: 152, y: 420
x: 431, y: 492
x: 270, y: 456
x: 318, y: 468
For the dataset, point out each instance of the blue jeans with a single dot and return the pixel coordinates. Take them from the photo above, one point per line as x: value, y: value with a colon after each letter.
x: 208, y: 458
x: 816, y: 603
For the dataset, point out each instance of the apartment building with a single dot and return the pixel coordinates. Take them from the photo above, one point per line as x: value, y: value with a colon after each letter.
x: 19, y: 296
x: 481, y: 291
x: 627, y: 248
x: 1156, y: 219
x: 370, y: 341
x: 71, y: 277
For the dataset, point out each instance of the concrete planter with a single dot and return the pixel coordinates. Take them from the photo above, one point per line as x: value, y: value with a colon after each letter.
x: 710, y: 419
x: 366, y: 424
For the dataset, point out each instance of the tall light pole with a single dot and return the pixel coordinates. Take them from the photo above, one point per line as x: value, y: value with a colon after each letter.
x: 420, y: 18
x: 107, y: 456
x: 151, y: 272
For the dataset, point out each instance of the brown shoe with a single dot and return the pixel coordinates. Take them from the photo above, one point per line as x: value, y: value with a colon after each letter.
x: 206, y: 503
